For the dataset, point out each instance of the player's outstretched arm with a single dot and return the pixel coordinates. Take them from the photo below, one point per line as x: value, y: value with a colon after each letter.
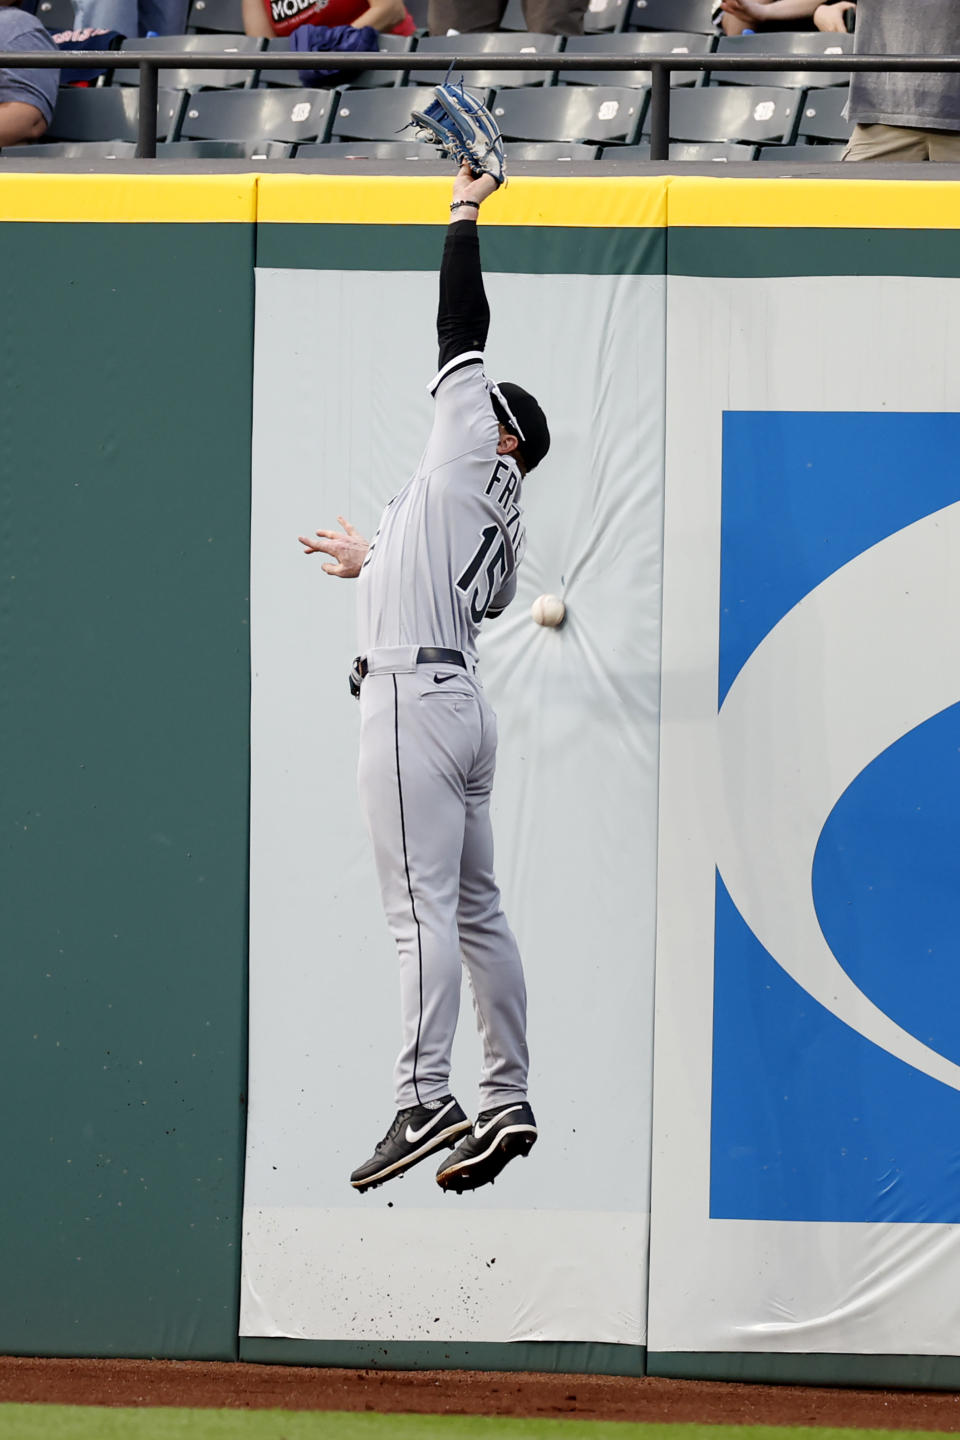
x: 348, y: 550
x: 463, y: 316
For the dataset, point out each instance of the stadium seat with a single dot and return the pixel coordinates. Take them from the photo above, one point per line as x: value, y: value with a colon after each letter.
x: 395, y: 44
x: 550, y: 150
x: 514, y: 18
x: 56, y: 14
x: 822, y: 117
x: 599, y: 114
x: 493, y: 43
x: 225, y: 150
x: 606, y: 17
x: 803, y: 154
x: 413, y: 150
x: 111, y: 113
x: 814, y: 42
x: 288, y: 115
x: 692, y: 152
x: 736, y: 113
x: 636, y: 42
x: 672, y: 15
x: 91, y: 150
x: 377, y: 114
x: 418, y: 12
x: 195, y: 44
x: 224, y: 17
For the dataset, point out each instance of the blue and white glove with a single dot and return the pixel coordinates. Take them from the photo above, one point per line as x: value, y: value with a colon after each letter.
x: 465, y: 129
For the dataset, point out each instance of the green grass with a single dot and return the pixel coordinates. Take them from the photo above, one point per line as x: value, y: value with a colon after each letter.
x: 90, y: 1422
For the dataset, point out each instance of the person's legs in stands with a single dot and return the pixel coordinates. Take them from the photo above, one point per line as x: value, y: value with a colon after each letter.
x: 466, y: 17
x: 944, y: 145
x: 887, y: 142
x: 554, y: 17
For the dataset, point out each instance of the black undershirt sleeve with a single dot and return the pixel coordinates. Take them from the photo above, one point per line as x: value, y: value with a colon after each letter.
x: 463, y: 316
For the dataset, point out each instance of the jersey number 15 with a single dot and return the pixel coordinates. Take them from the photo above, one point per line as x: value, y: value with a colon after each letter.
x: 494, y: 567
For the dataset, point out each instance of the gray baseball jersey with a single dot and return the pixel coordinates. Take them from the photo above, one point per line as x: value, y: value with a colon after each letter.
x: 448, y: 545
x: 445, y: 555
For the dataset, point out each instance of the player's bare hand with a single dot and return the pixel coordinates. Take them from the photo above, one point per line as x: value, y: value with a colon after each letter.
x: 348, y: 550
x: 465, y: 187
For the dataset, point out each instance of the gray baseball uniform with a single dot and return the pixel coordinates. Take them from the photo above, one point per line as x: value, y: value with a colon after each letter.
x: 445, y: 555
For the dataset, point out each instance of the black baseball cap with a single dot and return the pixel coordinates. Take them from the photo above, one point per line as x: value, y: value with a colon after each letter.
x: 531, y: 419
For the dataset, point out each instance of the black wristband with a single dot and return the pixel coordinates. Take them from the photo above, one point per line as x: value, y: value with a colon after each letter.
x: 459, y: 204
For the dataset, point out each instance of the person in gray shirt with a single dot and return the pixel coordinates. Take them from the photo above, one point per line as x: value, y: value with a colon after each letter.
x: 27, y: 96
x: 905, y: 116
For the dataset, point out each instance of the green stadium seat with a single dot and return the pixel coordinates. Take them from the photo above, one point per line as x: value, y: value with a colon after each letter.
x: 491, y: 44
x: 56, y: 14
x: 73, y: 150
x: 414, y: 151
x: 377, y: 114
x: 543, y: 150
x: 672, y: 15
x: 633, y: 43
x: 111, y: 113
x: 692, y: 152
x: 813, y: 42
x: 801, y: 154
x: 225, y: 150
x: 595, y: 114
x: 751, y: 115
x: 606, y: 17
x: 290, y: 116
x: 216, y: 16
x: 822, y: 117
x: 195, y: 45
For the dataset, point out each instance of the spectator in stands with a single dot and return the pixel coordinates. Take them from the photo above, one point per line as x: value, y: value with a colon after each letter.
x: 541, y: 17
x: 27, y: 96
x: 133, y: 18
x: 835, y: 17
x: 281, y: 17
x: 739, y: 15
x: 906, y: 116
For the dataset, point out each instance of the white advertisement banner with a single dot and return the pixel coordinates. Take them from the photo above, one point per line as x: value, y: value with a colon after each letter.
x: 557, y: 1249
x: 806, y: 1160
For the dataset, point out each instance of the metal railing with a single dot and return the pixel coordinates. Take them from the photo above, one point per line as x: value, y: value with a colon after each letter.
x: 660, y: 67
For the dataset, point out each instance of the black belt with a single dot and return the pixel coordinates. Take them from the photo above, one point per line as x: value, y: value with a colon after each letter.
x: 426, y: 655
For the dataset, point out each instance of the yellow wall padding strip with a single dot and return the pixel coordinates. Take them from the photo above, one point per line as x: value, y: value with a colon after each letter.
x: 845, y: 203
x: 607, y: 201
x: 113, y: 198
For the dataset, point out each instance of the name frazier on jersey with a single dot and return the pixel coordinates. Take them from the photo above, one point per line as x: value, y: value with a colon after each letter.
x: 494, y: 566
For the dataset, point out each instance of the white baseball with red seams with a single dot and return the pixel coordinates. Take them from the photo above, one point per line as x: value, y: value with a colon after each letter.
x: 548, y: 610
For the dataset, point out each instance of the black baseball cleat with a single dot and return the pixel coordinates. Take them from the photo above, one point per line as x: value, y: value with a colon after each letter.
x: 414, y: 1134
x: 495, y: 1139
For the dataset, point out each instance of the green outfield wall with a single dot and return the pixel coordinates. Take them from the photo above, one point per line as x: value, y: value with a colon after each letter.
x: 131, y: 332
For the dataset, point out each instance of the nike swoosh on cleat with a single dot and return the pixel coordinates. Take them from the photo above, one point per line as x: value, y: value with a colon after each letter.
x: 414, y: 1135
x: 442, y: 679
x: 481, y: 1130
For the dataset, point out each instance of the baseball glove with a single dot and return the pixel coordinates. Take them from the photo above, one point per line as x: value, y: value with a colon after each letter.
x: 463, y: 128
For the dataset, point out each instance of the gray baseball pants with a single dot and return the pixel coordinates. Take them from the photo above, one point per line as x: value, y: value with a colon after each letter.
x: 427, y: 760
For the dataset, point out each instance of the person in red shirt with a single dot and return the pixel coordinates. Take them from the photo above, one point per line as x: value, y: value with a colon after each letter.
x: 281, y: 17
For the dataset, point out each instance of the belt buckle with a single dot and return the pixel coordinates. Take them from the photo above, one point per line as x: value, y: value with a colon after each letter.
x: 355, y: 677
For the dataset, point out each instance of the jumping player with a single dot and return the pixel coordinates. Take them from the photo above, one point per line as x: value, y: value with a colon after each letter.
x: 444, y: 557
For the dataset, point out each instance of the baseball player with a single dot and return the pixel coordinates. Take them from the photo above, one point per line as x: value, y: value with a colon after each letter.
x: 443, y: 559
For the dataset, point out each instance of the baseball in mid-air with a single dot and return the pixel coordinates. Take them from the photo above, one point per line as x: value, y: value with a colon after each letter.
x: 548, y: 610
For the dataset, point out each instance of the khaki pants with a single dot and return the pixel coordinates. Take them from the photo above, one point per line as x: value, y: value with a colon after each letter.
x: 542, y: 17
x: 897, y: 142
